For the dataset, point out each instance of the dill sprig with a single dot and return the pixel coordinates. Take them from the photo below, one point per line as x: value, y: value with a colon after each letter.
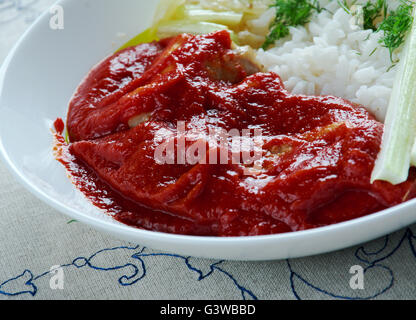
x: 396, y: 26
x: 394, y: 23
x: 344, y: 5
x: 372, y: 12
x: 290, y: 13
x: 377, y: 17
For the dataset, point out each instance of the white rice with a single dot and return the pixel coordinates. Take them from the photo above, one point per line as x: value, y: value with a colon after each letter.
x: 332, y: 55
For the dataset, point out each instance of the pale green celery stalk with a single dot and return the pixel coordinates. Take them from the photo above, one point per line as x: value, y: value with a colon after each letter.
x: 173, y: 17
x: 165, y: 11
x: 146, y: 36
x: 173, y: 28
x: 413, y: 156
x: 227, y: 18
x: 394, y: 159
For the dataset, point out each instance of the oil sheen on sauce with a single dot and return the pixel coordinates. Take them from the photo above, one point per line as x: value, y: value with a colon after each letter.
x: 315, y: 162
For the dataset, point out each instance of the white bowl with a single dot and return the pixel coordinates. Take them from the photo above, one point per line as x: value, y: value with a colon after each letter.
x: 36, y: 83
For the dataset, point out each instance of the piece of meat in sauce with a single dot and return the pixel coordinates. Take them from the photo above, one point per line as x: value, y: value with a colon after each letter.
x: 129, y: 87
x: 316, y: 161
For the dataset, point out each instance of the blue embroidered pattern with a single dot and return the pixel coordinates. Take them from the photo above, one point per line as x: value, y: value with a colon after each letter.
x: 134, y: 273
x: 137, y: 265
x: 371, y: 261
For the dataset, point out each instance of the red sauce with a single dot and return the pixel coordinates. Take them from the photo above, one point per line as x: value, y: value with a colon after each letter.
x: 316, y: 161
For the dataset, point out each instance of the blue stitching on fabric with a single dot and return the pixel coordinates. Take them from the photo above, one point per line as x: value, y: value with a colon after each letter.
x: 332, y: 295
x: 139, y: 272
x: 408, y: 235
x: 126, y: 279
x: 28, y: 283
x: 213, y: 267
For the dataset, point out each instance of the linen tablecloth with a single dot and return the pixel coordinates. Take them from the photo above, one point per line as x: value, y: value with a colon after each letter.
x: 35, y: 239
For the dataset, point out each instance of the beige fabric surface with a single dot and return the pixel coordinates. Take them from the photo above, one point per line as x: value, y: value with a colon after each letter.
x: 35, y: 237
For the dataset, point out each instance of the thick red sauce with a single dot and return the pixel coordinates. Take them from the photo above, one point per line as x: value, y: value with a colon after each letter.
x: 316, y: 161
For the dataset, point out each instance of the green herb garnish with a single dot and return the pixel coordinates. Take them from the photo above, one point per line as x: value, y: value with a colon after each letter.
x: 396, y: 26
x: 372, y: 12
x: 395, y: 23
x: 66, y: 136
x: 376, y: 17
x: 290, y: 13
x: 344, y: 5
